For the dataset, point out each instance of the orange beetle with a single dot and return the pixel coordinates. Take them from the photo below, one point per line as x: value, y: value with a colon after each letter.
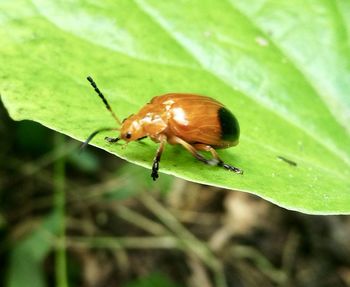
x: 198, y: 123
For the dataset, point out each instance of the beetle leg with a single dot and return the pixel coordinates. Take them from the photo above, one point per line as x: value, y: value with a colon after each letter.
x: 156, y: 160
x: 214, y: 161
x: 112, y: 140
x: 191, y: 149
x: 218, y: 161
x: 140, y: 139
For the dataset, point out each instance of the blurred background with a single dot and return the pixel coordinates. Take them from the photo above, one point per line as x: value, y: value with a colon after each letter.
x: 91, y: 219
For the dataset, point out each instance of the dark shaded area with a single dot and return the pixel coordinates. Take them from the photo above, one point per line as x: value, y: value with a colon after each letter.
x: 229, y: 125
x: 124, y: 230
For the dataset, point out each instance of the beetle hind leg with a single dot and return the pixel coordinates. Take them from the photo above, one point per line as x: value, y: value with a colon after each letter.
x: 216, y: 158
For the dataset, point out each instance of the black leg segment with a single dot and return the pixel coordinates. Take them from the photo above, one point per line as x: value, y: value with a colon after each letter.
x: 112, y: 140
x: 155, y: 166
x: 230, y: 167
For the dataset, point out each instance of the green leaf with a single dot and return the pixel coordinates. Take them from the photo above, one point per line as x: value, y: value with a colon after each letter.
x: 282, y: 67
x: 27, y: 256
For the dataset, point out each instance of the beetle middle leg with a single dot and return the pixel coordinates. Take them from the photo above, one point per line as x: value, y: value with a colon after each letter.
x: 216, y: 158
x: 155, y: 166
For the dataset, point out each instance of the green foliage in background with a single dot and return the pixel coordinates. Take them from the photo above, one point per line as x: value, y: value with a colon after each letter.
x: 28, y: 255
x: 153, y: 280
x: 282, y: 67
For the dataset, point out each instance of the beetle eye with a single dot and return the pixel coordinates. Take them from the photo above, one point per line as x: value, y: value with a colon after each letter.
x: 128, y: 135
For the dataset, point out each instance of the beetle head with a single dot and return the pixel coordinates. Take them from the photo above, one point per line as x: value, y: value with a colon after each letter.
x: 131, y: 129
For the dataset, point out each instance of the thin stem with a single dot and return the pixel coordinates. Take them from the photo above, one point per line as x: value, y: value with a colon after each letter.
x: 144, y: 242
x: 189, y: 241
x: 59, y: 206
x: 141, y: 221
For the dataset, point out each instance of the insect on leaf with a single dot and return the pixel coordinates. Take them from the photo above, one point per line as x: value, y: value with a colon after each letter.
x: 283, y: 69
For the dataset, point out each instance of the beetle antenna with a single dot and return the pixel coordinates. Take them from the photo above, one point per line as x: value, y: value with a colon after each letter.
x: 99, y: 93
x: 94, y: 134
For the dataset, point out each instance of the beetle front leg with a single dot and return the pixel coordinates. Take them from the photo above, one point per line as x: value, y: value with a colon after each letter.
x: 112, y: 140
x: 155, y: 166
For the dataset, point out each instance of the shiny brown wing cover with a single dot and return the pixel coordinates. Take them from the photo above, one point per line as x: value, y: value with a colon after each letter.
x: 195, y: 119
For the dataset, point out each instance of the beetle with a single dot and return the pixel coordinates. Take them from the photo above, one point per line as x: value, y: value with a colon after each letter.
x: 196, y: 122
